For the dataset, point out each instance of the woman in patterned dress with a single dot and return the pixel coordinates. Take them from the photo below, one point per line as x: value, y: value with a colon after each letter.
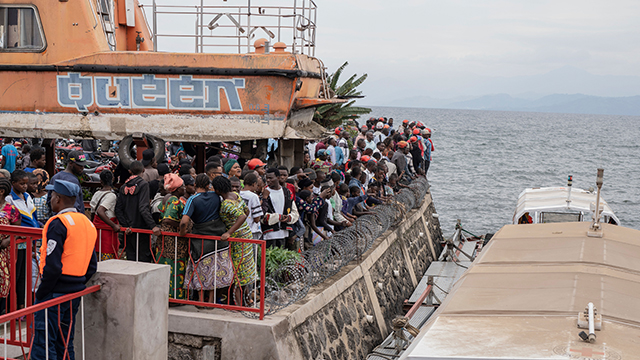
x: 172, y: 250
x: 233, y: 212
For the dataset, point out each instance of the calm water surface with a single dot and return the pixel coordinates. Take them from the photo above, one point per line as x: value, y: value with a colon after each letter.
x: 484, y: 159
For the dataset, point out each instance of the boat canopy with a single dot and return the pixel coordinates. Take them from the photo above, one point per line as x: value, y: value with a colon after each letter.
x: 553, y: 204
x: 521, y: 298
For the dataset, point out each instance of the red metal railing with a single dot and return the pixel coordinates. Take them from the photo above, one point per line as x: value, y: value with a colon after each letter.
x: 19, y: 235
x: 157, y: 247
x: 29, y: 311
x: 29, y: 236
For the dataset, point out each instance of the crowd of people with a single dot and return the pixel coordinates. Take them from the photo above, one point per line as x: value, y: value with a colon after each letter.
x: 343, y: 177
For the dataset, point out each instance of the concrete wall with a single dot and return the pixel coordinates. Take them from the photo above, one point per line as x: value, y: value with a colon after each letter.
x: 342, y: 318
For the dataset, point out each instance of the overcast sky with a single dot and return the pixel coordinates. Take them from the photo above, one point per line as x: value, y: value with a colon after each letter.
x: 410, y: 43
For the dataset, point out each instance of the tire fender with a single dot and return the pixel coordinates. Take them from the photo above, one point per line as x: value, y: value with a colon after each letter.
x: 125, y: 146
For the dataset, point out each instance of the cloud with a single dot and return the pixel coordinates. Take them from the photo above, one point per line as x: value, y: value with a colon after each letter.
x: 435, y: 44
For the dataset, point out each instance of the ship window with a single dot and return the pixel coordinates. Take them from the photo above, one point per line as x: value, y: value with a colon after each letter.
x: 557, y: 217
x: 20, y: 29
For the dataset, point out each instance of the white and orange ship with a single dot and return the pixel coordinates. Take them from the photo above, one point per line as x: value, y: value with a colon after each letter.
x: 89, y: 69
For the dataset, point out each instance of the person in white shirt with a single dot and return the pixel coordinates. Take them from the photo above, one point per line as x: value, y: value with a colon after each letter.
x: 279, y: 211
x: 331, y: 150
x: 344, y: 142
x: 311, y: 147
x: 378, y: 136
x: 369, y: 143
x: 250, y: 196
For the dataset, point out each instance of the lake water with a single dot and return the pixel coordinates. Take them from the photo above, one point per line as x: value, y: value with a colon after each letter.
x: 484, y: 159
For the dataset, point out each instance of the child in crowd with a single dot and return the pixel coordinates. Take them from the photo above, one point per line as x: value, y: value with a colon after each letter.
x: 311, y: 217
x: 343, y: 191
x: 250, y: 196
x: 355, y: 199
x: 24, y: 202
x: 393, y: 183
x: 359, y: 207
x: 40, y: 195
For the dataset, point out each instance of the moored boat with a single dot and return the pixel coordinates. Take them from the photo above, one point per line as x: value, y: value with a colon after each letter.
x: 560, y: 204
x: 89, y: 69
x: 554, y: 290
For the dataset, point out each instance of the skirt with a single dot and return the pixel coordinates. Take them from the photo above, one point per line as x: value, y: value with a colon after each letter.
x: 176, y: 282
x: 212, y: 271
x: 173, y: 251
x: 107, y: 242
x: 244, y: 264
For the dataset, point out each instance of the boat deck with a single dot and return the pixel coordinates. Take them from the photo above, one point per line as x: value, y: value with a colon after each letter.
x: 521, y: 298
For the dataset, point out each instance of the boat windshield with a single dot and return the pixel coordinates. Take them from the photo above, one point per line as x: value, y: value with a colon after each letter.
x: 557, y: 217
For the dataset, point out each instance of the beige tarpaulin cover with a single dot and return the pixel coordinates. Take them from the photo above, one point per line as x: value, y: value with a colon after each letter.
x: 521, y: 298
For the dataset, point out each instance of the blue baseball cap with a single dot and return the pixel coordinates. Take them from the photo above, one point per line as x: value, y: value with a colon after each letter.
x: 65, y: 188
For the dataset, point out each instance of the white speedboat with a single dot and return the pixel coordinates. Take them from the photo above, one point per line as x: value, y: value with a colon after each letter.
x: 560, y: 204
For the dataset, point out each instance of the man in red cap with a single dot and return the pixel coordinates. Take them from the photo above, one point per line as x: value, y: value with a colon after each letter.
x: 416, y: 153
x: 399, y: 159
x: 405, y: 124
x: 419, y: 143
x: 257, y: 165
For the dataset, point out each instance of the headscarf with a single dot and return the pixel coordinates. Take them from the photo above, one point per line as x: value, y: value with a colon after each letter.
x: 172, y: 182
x: 43, y: 178
x: 229, y: 164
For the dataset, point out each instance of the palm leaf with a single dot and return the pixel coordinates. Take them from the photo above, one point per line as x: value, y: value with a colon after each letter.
x: 330, y: 115
x: 333, y: 78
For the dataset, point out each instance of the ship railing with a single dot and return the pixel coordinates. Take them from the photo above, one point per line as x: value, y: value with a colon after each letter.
x: 190, y: 257
x: 225, y: 28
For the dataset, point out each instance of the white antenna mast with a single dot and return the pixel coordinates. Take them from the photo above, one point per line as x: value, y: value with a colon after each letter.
x: 596, y: 229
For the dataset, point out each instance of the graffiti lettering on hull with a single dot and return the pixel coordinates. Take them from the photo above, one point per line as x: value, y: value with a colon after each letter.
x: 147, y: 92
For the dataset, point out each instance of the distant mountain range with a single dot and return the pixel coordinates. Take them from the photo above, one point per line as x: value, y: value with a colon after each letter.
x: 557, y: 103
x: 566, y: 90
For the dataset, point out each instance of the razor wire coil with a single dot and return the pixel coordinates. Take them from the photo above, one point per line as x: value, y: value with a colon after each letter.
x: 293, y: 279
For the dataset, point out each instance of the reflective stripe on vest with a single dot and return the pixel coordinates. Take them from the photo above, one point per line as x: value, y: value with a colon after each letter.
x: 78, y: 246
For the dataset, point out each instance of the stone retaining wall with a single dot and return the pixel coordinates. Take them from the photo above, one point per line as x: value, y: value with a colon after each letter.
x: 340, y: 330
x: 342, y: 318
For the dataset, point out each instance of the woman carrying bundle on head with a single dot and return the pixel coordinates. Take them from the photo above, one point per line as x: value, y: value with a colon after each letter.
x: 172, y: 250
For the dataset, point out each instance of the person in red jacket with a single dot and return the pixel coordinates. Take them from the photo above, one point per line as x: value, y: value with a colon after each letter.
x: 67, y: 262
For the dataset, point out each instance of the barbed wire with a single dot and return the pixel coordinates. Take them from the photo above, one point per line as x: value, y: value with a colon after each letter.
x: 293, y: 279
